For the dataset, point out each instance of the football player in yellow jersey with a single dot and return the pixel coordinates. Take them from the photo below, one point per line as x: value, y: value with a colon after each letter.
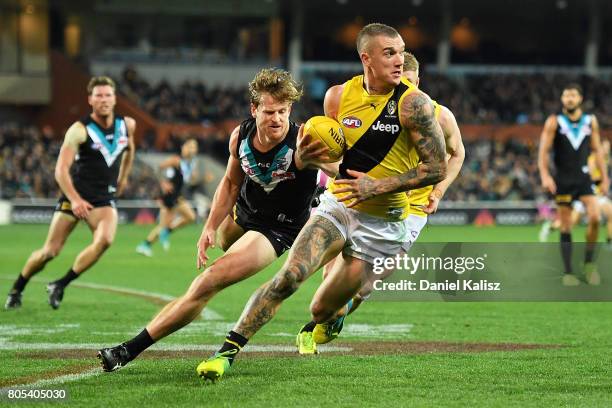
x: 423, y: 201
x: 366, y: 215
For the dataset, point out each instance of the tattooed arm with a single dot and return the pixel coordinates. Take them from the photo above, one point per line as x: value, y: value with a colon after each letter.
x: 417, y: 116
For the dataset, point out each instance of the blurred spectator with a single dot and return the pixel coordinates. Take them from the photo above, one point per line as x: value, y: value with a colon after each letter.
x: 490, y: 98
x: 495, y: 170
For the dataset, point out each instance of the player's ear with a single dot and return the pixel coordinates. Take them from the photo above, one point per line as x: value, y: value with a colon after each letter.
x: 253, y: 110
x: 365, y: 58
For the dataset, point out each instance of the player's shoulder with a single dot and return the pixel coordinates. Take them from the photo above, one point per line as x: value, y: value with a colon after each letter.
x: 233, y: 140
x: 552, y: 119
x: 331, y: 103
x: 445, y: 114
x: 334, y: 92
x: 79, y: 126
x: 129, y: 121
x: 415, y: 101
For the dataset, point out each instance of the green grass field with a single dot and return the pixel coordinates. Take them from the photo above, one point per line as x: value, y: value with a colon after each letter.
x: 426, y: 353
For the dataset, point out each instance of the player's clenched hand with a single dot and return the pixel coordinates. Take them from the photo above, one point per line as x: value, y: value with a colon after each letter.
x: 207, y: 240
x: 548, y: 184
x: 361, y: 188
x: 309, y: 151
x: 166, y: 187
x: 121, y: 186
x: 434, y: 201
x: 80, y: 208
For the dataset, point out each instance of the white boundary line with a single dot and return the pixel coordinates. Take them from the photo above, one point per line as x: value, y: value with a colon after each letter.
x: 207, y: 313
x: 56, y: 380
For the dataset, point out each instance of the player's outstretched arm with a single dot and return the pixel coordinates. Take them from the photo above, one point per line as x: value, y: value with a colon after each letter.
x: 128, y: 157
x: 224, y: 199
x: 546, y: 142
x: 456, y: 154
x: 75, y: 136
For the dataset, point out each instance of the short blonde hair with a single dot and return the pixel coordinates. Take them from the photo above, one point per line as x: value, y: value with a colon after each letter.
x: 276, y: 82
x: 373, y: 30
x: 98, y: 81
x: 410, y: 63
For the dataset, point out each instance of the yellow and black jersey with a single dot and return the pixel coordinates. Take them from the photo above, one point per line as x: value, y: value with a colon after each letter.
x: 377, y: 143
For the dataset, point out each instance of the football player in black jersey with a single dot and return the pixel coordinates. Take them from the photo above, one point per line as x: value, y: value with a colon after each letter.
x: 178, y: 172
x: 572, y: 135
x: 258, y: 209
x: 92, y: 168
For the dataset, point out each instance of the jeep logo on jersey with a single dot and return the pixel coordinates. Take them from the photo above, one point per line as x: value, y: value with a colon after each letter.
x: 386, y: 127
x: 391, y: 107
x: 351, y: 122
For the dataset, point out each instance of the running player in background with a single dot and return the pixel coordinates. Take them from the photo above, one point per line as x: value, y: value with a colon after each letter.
x: 423, y: 201
x: 178, y: 172
x: 91, y: 169
x: 572, y: 135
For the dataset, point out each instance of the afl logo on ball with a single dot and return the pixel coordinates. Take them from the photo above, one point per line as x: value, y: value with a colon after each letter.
x: 351, y: 122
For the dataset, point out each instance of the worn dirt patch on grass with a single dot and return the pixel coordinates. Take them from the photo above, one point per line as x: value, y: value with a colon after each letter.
x: 352, y: 349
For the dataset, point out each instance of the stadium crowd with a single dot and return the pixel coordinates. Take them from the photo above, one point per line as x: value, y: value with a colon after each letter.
x: 475, y: 99
x: 493, y: 170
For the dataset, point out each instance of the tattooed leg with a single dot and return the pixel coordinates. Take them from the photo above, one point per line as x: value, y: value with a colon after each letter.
x: 318, y: 242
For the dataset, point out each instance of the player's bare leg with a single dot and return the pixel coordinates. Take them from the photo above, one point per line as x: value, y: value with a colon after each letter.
x: 228, y: 233
x: 103, y: 223
x: 342, y: 284
x: 318, y: 242
x: 565, y: 228
x: 591, y: 274
x: 186, y: 215
x: 166, y: 215
x: 180, y: 215
x: 250, y: 254
x: 165, y: 219
x: 60, y: 228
